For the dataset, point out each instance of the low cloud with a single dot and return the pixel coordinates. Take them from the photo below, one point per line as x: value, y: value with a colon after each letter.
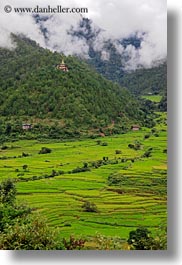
x: 117, y: 19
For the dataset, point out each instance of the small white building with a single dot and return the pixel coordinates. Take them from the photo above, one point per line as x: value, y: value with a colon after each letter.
x: 26, y: 126
x: 135, y: 127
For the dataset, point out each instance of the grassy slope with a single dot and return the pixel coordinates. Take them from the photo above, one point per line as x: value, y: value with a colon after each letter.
x: 154, y: 98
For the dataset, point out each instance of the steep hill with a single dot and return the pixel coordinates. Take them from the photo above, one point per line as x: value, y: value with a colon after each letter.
x: 33, y: 89
x: 112, y: 67
x: 143, y: 81
x: 109, y: 61
x: 138, y: 82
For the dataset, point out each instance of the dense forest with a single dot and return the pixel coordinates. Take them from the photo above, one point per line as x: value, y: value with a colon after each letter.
x: 74, y: 103
x: 33, y: 90
x: 147, y: 81
x: 139, y: 82
x: 31, y: 85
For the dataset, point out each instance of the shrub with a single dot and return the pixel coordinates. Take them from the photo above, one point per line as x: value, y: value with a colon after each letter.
x: 118, y: 179
x: 35, y: 177
x: 117, y: 152
x: 98, y: 142
x: 24, y: 154
x: 104, y: 144
x: 9, y: 211
x: 137, y: 146
x: 7, y: 192
x: 4, y: 147
x: 140, y: 239
x: 93, y: 136
x: 147, y: 154
x: 115, y: 179
x: 146, y: 136
x: 85, y: 165
x: 153, y: 130
x: 90, y: 207
x: 67, y: 224
x: 102, y: 242
x: 131, y: 146
x: 54, y: 173
x: 80, y: 169
x: 20, y: 174
x: 30, y: 234
x: 45, y: 150
x: 73, y: 244
x: 19, y: 229
x: 61, y: 172
x: 24, y: 167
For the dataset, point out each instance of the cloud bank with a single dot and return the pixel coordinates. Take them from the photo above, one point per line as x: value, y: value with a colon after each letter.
x: 117, y: 19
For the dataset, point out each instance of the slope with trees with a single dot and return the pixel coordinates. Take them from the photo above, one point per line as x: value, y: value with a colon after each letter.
x: 33, y: 89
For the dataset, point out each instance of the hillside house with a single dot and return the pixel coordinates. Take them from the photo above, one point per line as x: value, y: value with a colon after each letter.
x: 135, y: 127
x: 26, y: 126
x: 62, y: 66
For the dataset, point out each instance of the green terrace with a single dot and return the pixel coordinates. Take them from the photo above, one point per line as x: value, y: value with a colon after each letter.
x: 128, y: 185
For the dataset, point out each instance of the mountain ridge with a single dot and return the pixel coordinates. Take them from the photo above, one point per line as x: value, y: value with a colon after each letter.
x: 33, y: 88
x: 110, y: 62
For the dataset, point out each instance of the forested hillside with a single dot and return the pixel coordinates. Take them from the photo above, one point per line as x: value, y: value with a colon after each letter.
x: 33, y: 89
x: 138, y: 82
x: 112, y: 65
x: 111, y: 62
x: 145, y: 81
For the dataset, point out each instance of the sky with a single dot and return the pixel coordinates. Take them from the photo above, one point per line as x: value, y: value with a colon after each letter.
x: 118, y: 18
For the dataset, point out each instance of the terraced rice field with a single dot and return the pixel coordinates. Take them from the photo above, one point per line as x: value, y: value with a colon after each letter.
x: 154, y: 98
x: 50, y: 187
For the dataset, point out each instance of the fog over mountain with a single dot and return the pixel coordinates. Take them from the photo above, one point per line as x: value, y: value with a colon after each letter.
x: 111, y: 20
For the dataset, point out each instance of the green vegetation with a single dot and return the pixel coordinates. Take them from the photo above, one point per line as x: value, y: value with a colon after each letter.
x: 20, y: 230
x: 141, y: 239
x: 111, y: 194
x: 17, y: 229
x: 62, y: 105
x: 145, y: 81
x: 89, y: 180
x: 45, y: 150
x: 58, y: 104
x: 163, y: 103
x: 138, y: 82
x: 90, y: 207
x: 154, y: 98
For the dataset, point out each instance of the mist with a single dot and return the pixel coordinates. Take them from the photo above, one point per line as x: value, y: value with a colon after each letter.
x: 116, y: 19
